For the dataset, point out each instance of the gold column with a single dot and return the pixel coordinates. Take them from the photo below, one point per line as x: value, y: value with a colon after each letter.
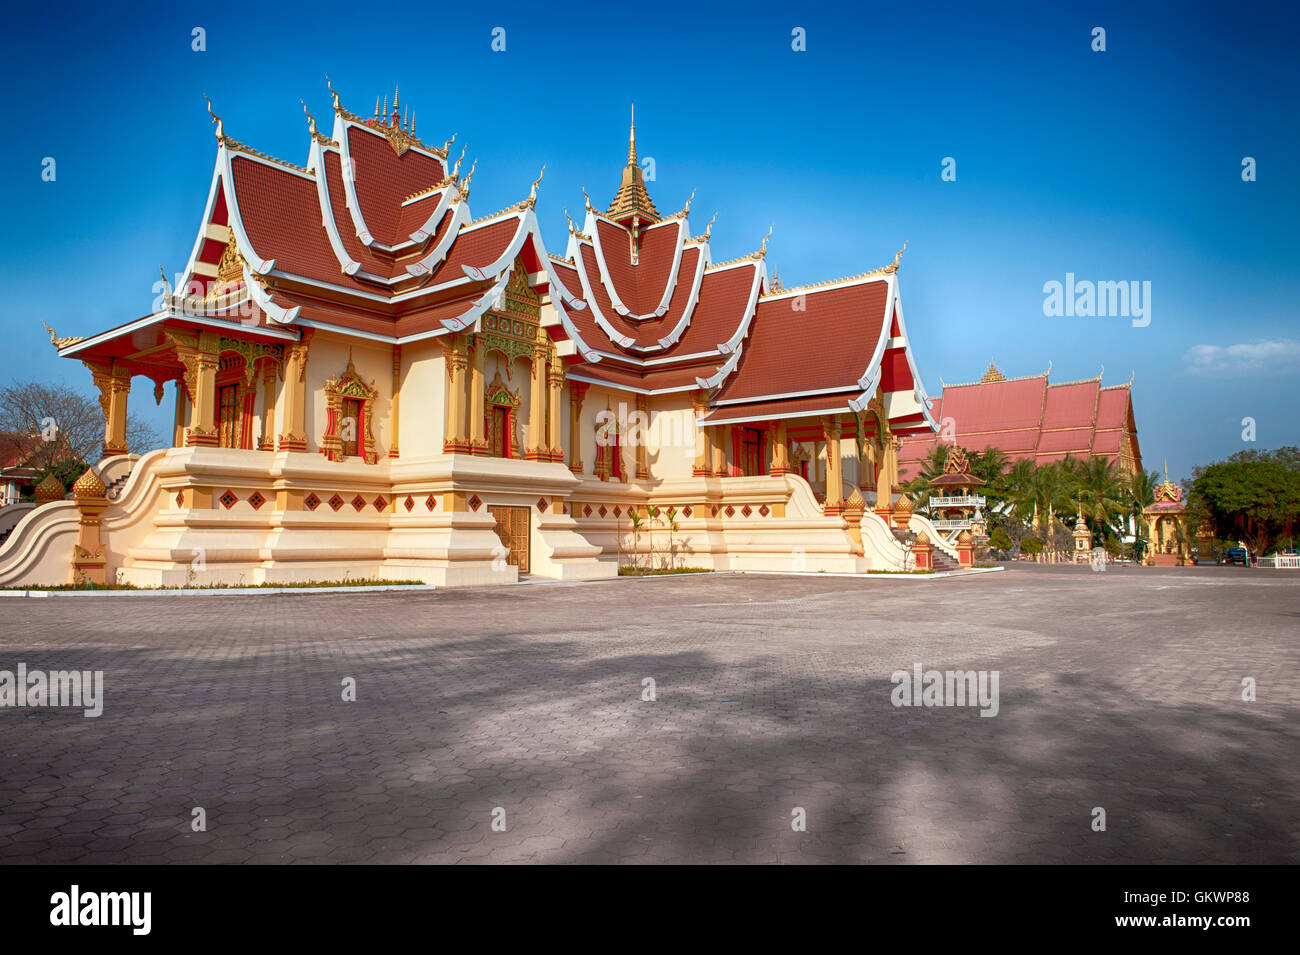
x: 555, y: 379
x: 703, y: 448
x: 884, y: 477
x: 397, y: 398
x: 114, y: 386
x: 178, y: 422
x: 577, y: 391
x: 834, y: 479
x: 269, y: 375
x: 293, y: 437
x: 457, y: 363
x: 641, y: 435
x: 780, y: 450
x: 199, y: 354
x: 536, y: 450
x: 477, y: 393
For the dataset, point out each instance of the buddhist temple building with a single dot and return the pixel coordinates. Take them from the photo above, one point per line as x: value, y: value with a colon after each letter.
x: 1031, y: 418
x: 370, y: 380
x: 1167, y: 540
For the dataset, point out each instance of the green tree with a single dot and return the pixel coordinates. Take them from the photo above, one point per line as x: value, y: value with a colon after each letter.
x: 1255, y: 501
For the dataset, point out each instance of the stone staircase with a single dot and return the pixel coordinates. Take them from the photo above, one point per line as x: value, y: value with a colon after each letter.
x: 942, y: 562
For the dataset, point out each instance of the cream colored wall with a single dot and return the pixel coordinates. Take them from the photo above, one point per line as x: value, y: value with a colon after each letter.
x: 328, y: 359
x: 422, y: 418
x: 673, y: 437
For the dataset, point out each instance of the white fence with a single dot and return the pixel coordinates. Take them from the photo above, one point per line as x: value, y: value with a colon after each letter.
x: 958, y: 501
x: 1281, y: 561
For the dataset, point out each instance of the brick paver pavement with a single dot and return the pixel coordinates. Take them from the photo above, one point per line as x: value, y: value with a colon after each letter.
x: 1119, y: 690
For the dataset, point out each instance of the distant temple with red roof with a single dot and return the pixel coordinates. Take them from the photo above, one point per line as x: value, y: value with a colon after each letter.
x: 369, y: 380
x: 1031, y: 418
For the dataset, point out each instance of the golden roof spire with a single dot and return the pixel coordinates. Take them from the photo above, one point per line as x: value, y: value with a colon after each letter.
x: 532, y: 193
x: 455, y: 170
x: 893, y: 266
x: 708, y: 229
x: 328, y: 85
x: 221, y: 132
x: 446, y: 147
x: 631, y: 140
x: 762, y: 249
x: 311, y: 120
x: 464, y: 186
x: 632, y: 201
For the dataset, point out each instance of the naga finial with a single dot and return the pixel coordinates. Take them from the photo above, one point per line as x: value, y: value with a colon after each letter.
x: 334, y: 94
x: 446, y: 147
x: 464, y: 186
x: 54, y: 339
x: 311, y: 120
x: 590, y: 207
x: 455, y: 170
x: 893, y: 266
x: 762, y: 249
x: 167, y: 288
x: 532, y: 193
x: 573, y: 230
x: 221, y: 132
x: 686, y: 209
x: 708, y: 229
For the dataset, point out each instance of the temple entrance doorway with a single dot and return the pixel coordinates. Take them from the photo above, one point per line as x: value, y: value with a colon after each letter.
x: 499, y: 432
x: 512, y: 529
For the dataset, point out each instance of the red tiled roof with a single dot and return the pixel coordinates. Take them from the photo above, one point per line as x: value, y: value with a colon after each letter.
x: 808, y: 406
x: 384, y: 179
x: 1027, y: 418
x: 827, y: 344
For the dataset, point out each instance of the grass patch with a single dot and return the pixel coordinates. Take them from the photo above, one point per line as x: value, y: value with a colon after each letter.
x: 661, y: 571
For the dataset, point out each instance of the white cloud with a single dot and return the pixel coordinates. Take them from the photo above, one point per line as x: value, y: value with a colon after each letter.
x: 1270, y: 357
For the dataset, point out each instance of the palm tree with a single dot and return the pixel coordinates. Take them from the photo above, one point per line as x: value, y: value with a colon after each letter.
x: 653, y: 513
x: 634, y: 516
x: 1101, y: 493
x: 1141, y: 493
x: 920, y: 487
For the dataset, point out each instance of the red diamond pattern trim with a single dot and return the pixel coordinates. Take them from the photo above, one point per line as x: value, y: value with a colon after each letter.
x: 764, y: 511
x: 336, y: 502
x: 586, y: 510
x: 311, y: 501
x: 602, y: 512
x: 256, y: 500
x: 686, y: 511
x: 358, y: 502
x: 730, y: 511
x: 430, y: 502
x: 409, y: 502
x: 228, y: 500
x: 746, y: 511
x: 379, y: 503
x: 180, y: 498
x: 541, y: 504
x: 474, y: 502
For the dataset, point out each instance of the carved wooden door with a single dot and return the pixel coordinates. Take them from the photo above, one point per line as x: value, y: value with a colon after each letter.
x: 512, y: 529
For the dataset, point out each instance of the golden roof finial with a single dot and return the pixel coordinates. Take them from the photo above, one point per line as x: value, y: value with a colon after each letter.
x: 376, y: 107
x: 762, y: 249
x: 464, y: 186
x: 311, y: 120
x: 631, y: 140
x: 1166, y: 469
x: 1131, y: 376
x: 413, y: 123
x: 167, y: 288
x: 708, y: 229
x: 686, y: 209
x: 384, y: 115
x: 455, y: 170
x: 446, y: 147
x: 221, y: 132
x: 590, y: 207
x: 532, y: 193
x: 330, y: 86
x: 1049, y: 368
x: 53, y: 338
x: 1102, y: 372
x: 776, y: 279
x: 893, y: 266
x: 396, y: 108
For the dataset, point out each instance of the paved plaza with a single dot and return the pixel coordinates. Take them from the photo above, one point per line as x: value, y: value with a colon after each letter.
x: 524, y: 704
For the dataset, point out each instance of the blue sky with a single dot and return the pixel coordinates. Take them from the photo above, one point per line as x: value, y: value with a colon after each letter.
x: 1115, y: 166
